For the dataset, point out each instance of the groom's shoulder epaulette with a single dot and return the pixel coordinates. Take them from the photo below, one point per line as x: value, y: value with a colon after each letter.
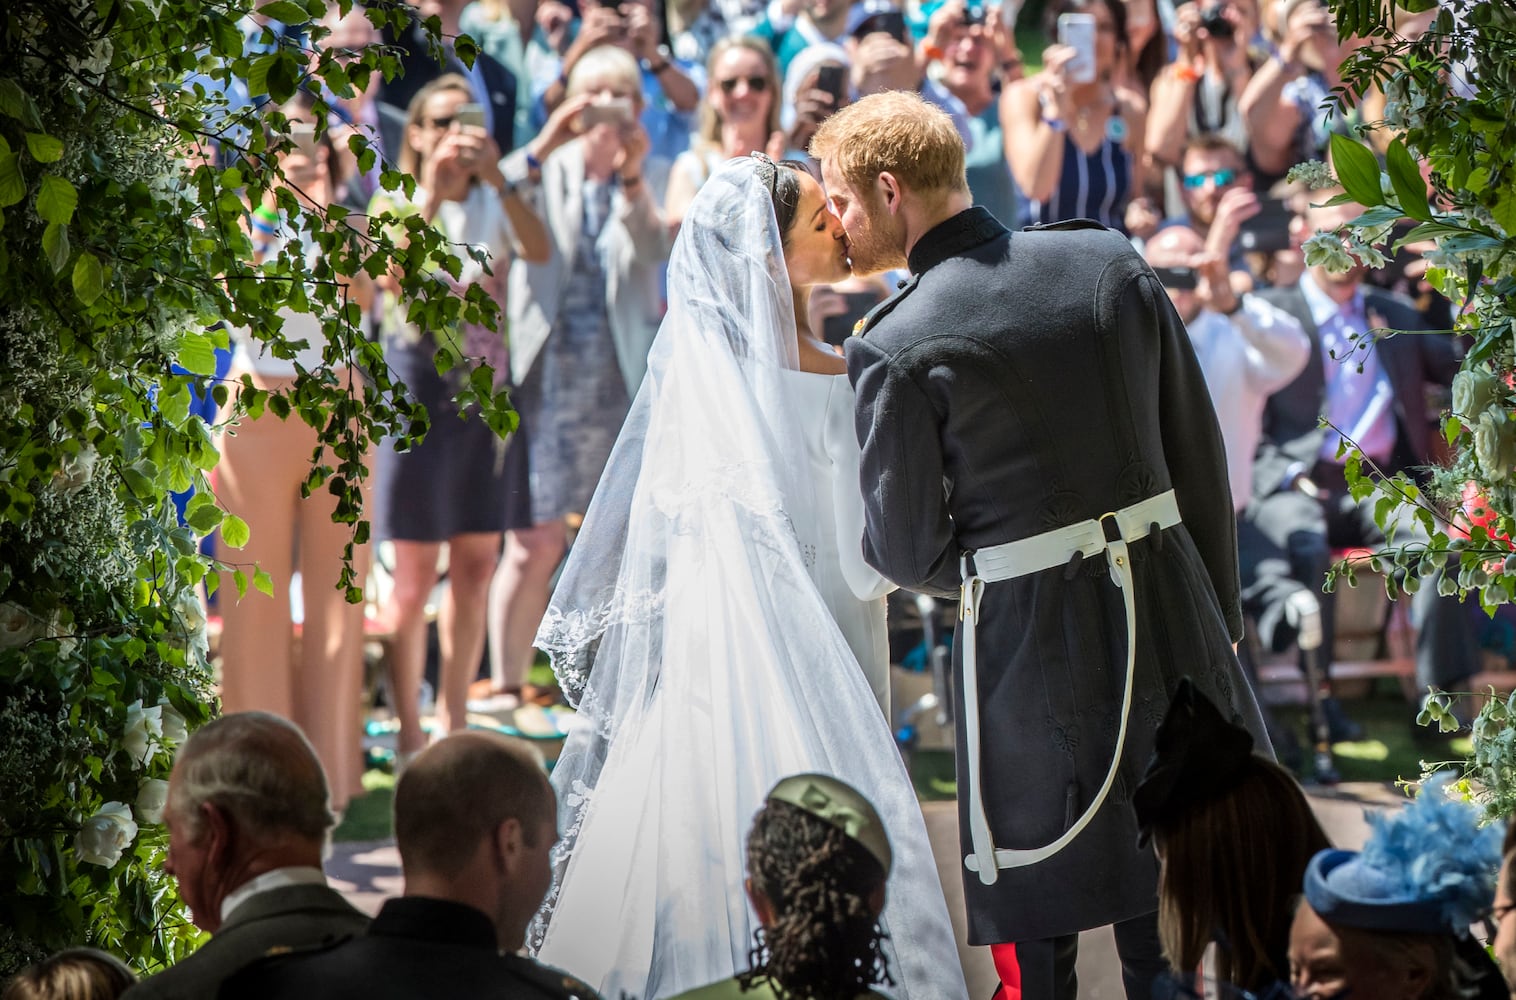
x: 1064, y: 226
x: 883, y: 309
x: 553, y: 982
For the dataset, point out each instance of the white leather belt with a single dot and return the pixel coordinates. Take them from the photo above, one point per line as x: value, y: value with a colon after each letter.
x: 1023, y: 558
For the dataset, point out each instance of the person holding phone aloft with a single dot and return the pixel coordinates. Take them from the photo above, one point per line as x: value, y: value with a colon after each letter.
x: 1075, y: 139
x: 581, y: 324
x: 455, y: 487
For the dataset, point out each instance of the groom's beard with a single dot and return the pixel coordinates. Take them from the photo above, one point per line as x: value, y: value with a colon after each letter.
x: 875, y: 246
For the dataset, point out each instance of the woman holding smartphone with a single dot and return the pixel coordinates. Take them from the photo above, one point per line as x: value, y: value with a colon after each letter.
x: 581, y: 324
x: 456, y: 488
x: 1073, y: 132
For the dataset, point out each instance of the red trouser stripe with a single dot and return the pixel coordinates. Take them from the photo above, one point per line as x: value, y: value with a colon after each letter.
x: 1009, y: 970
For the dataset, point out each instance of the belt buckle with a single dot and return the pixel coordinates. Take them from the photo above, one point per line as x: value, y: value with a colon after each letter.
x: 1111, y: 515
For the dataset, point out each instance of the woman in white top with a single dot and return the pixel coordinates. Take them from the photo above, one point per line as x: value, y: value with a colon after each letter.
x: 716, y: 624
x: 263, y: 465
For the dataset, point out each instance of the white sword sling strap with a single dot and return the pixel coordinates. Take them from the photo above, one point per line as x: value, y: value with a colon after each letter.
x: 1023, y: 558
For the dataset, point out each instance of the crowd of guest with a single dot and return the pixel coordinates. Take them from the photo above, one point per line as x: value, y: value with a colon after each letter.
x: 1254, y: 900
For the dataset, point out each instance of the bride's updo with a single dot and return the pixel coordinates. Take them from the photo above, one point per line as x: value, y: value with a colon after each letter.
x: 826, y: 890
x: 783, y: 184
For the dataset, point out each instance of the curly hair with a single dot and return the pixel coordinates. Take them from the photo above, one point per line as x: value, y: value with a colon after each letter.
x: 825, y: 942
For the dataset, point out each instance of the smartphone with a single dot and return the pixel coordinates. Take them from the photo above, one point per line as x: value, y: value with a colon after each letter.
x: 1077, y: 31
x: 613, y: 112
x: 1177, y: 279
x: 470, y: 115
x: 835, y: 330
x: 303, y: 135
x: 1269, y: 230
x: 832, y: 78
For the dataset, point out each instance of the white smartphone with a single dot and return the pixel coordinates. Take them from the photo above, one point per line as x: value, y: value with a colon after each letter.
x: 1077, y: 31
x: 303, y: 135
x: 470, y: 115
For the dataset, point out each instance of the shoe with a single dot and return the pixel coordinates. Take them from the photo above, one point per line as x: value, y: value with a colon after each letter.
x: 1340, y: 728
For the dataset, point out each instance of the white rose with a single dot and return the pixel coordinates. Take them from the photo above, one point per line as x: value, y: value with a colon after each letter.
x: 192, y: 620
x: 76, y: 471
x: 144, y: 727
x: 18, y: 626
x: 1326, y: 250
x: 175, y: 729
x: 152, y: 798
x: 1474, y: 391
x: 106, y: 835
x: 1495, y: 445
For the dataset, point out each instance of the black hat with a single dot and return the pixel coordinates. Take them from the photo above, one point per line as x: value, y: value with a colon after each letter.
x: 1197, y: 755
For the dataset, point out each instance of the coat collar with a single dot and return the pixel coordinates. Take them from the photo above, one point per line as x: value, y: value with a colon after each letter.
x: 420, y: 918
x: 968, y: 229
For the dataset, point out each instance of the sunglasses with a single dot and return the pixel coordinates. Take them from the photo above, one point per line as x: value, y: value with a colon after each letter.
x: 1221, y: 178
x: 756, y: 84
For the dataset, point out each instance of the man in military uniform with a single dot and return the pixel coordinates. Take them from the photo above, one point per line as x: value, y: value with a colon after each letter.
x: 1038, y: 438
x: 475, y: 820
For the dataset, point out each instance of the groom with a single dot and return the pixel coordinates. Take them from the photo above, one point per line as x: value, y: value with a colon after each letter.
x: 1038, y: 439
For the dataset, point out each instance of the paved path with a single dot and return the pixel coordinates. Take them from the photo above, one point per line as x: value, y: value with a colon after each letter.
x: 368, y: 873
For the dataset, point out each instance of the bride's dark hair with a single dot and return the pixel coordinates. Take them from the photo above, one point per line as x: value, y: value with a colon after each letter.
x: 784, y: 189
x: 825, y: 942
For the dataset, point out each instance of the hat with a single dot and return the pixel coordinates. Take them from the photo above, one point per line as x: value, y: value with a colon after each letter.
x: 1426, y: 869
x: 1197, y: 755
x: 868, y: 16
x: 840, y: 804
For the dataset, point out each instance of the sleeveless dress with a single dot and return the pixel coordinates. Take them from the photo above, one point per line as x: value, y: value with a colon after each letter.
x: 1092, y: 185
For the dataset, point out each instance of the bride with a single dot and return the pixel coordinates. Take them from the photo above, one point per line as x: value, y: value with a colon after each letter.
x: 716, y: 625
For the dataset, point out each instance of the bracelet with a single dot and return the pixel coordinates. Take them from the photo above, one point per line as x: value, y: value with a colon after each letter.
x: 630, y: 182
x: 933, y: 52
x: 1186, y: 73
x: 533, y: 164
x: 655, y: 69
x: 1056, y: 124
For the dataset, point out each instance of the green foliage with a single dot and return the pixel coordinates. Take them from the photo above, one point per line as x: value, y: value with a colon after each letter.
x: 1489, y: 775
x: 122, y: 254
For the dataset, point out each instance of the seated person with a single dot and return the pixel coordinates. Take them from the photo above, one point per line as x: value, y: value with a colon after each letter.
x: 817, y: 859
x: 1392, y: 922
x: 1233, y: 833
x: 475, y: 820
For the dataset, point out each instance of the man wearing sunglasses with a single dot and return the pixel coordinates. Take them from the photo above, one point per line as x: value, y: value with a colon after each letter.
x: 1217, y: 189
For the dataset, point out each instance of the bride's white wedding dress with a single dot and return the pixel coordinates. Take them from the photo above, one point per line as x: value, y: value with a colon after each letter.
x: 696, y: 626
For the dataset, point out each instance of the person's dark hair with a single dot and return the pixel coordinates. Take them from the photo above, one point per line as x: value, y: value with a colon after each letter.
x: 72, y: 974
x: 784, y: 188
x: 1057, y: 8
x: 825, y: 942
x: 1232, y: 867
x: 458, y: 791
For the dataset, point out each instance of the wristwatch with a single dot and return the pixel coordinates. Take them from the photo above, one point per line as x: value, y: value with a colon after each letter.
x: 661, y: 63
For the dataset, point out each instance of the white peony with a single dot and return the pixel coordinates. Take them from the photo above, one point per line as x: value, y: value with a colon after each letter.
x: 18, y: 626
x: 1495, y: 445
x: 152, y: 799
x: 175, y: 729
x: 106, y: 835
x: 144, y: 728
x: 76, y: 471
x: 1474, y: 391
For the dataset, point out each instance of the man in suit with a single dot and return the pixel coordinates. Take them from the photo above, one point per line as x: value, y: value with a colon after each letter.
x: 1375, y: 396
x: 494, y: 86
x: 475, y: 821
x: 1035, y: 428
x: 247, y: 822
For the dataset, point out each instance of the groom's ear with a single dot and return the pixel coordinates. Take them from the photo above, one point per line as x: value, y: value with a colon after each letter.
x: 889, y: 191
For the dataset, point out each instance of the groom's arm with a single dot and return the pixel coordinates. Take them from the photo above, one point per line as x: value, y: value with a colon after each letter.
x: 907, y: 534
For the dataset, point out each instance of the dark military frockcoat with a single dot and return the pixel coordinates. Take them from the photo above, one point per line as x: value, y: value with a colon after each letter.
x: 1019, y: 383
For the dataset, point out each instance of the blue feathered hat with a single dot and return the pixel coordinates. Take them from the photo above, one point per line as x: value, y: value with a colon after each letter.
x: 1427, y: 868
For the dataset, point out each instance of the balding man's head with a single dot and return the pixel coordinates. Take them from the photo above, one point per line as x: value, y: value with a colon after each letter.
x: 247, y: 795
x: 1176, y: 246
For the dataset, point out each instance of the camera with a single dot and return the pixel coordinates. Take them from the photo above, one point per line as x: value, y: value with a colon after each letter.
x: 1213, y: 19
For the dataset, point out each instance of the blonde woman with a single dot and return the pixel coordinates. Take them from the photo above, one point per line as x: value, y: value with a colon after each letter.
x: 740, y: 114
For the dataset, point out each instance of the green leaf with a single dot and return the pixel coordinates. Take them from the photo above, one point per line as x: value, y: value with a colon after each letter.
x: 262, y: 582
x: 44, y: 148
x: 197, y: 353
x: 285, y: 11
x: 204, y: 518
x: 1356, y: 167
x: 240, y: 579
x: 234, y: 533
x: 283, y: 78
x: 89, y: 278
x: 466, y: 50
x: 17, y: 103
x: 56, y: 200
x: 1406, y: 178
x: 12, y: 184
x: 257, y: 74
x: 55, y: 245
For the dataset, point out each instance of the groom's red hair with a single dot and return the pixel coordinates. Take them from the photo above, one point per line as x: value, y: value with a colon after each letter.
x: 894, y: 132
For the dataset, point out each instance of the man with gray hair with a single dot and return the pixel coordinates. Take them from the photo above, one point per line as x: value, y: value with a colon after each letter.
x: 475, y: 822
x: 247, y: 821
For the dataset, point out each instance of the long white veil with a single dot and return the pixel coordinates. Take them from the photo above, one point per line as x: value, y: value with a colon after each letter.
x: 699, y: 653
